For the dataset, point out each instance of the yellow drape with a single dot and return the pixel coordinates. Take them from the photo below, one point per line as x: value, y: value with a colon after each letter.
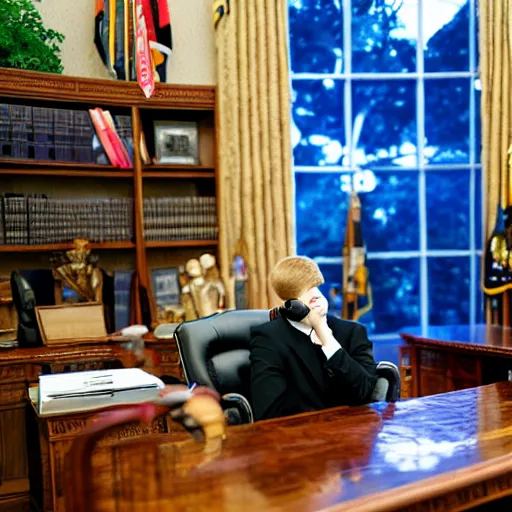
x: 495, y: 69
x: 255, y: 170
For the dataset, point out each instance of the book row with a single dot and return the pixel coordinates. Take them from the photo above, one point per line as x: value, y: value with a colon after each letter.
x: 65, y: 135
x: 38, y: 220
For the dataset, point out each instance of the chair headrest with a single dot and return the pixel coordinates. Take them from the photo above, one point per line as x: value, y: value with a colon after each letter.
x: 200, y: 340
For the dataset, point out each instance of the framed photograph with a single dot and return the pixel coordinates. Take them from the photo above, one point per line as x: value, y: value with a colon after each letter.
x: 166, y: 287
x: 176, y: 142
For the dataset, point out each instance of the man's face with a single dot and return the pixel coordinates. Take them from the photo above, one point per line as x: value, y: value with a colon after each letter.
x: 314, y: 299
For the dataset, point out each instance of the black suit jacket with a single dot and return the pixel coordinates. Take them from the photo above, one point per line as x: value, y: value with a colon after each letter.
x: 290, y: 374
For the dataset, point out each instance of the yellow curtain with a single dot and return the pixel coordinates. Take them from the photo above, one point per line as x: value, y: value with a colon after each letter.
x: 495, y: 69
x: 255, y: 170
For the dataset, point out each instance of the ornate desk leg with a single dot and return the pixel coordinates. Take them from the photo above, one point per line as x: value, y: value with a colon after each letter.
x: 415, y: 371
x: 405, y: 371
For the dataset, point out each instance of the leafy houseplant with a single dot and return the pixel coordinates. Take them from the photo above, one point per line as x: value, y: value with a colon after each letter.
x: 24, y: 41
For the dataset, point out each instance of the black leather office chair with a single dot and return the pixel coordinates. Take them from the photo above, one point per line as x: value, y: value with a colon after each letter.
x: 215, y: 352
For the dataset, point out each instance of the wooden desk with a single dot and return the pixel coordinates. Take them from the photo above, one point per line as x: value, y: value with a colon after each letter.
x: 19, y: 368
x: 444, y: 452
x: 55, y: 435
x: 167, y: 357
x: 450, y: 358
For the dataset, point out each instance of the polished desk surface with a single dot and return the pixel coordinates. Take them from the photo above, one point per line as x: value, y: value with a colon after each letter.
x: 377, y: 457
x: 480, y: 337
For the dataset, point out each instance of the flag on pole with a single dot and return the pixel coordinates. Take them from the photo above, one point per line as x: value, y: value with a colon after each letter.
x: 497, y: 264
x: 220, y: 8
x: 357, y: 292
x: 145, y: 75
x: 116, y: 36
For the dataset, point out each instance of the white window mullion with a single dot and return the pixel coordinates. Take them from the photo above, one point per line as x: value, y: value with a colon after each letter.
x: 381, y: 76
x: 474, y: 284
x: 422, y: 185
x: 423, y: 168
x: 426, y: 167
x: 347, y: 87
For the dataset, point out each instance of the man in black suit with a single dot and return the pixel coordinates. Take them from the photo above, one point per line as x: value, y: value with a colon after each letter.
x: 319, y: 362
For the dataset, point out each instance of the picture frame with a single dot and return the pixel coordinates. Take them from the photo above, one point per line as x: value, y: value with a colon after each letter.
x: 166, y: 287
x: 176, y: 142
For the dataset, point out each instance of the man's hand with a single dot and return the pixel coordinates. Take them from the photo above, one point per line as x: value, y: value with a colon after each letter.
x: 314, y: 319
x: 318, y: 322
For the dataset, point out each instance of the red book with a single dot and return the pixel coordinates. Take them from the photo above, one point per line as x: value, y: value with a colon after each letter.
x: 102, y: 132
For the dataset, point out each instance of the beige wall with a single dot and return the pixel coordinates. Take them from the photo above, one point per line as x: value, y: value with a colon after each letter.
x: 193, y: 59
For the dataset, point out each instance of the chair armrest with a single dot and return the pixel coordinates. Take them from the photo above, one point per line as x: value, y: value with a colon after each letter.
x: 237, y: 409
x: 390, y: 372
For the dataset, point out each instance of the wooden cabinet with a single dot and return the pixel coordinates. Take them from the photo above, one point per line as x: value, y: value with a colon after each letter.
x: 64, y: 179
x: 14, y: 482
x: 451, y: 358
x: 18, y: 369
x: 55, y: 436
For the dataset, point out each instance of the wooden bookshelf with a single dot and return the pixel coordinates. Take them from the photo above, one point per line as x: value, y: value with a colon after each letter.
x: 179, y: 174
x: 174, y: 167
x: 63, y: 247
x: 181, y: 243
x: 170, y: 102
x: 50, y: 171
x: 54, y: 164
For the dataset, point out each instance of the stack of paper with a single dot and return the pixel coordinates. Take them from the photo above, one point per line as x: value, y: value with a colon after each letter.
x: 83, y: 391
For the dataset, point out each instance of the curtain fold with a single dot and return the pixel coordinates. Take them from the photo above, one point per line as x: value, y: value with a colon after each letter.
x: 495, y: 67
x: 254, y: 147
x: 495, y: 39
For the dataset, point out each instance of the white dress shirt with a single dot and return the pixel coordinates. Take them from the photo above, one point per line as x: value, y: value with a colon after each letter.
x: 329, y: 349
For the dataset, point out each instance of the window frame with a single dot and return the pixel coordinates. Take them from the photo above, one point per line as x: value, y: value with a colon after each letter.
x: 472, y: 167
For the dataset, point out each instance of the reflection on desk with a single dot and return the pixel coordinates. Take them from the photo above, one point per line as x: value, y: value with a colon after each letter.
x: 443, y: 451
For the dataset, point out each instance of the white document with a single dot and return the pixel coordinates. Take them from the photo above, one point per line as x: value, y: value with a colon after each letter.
x: 83, y: 391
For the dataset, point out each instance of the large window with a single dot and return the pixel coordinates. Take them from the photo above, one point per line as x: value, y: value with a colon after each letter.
x: 386, y: 98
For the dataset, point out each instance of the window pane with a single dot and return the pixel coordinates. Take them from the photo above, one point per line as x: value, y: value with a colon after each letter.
x: 474, y: 14
x: 448, y: 290
x: 318, y: 136
x: 321, y: 211
x: 332, y: 289
x: 390, y: 212
x: 316, y: 36
x: 447, y: 121
x: 384, y: 36
x: 333, y: 276
x: 384, y: 114
x: 446, y: 33
x: 396, y: 298
x: 448, y: 209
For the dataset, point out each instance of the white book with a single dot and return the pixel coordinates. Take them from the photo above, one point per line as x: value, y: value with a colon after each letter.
x: 63, y: 393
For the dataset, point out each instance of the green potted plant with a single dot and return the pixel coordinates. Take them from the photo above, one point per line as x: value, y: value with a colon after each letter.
x: 24, y: 41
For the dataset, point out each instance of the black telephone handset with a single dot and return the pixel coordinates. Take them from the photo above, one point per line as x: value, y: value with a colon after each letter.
x: 294, y: 309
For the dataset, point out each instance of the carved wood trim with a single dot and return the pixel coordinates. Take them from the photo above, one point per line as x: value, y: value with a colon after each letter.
x: 56, y: 355
x: 12, y: 374
x: 12, y: 394
x: 69, y: 428
x: 18, y: 83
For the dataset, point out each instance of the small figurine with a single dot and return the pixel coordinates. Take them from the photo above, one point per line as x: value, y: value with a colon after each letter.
x: 202, y: 289
x: 213, y: 293
x: 78, y: 271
